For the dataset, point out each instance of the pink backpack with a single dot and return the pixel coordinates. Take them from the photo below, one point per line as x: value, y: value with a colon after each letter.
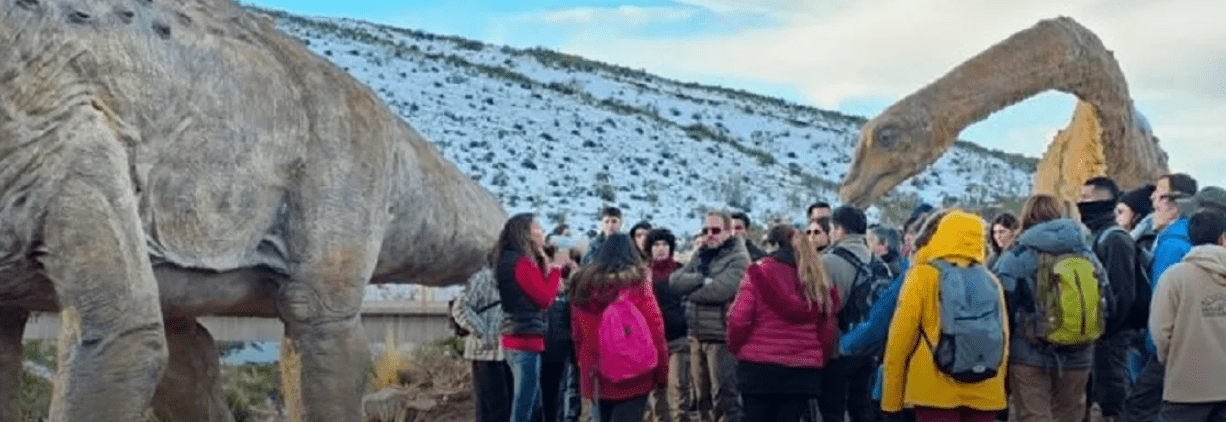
x: 626, y: 348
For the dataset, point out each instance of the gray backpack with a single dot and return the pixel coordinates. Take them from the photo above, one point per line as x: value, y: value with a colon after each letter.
x: 972, y: 343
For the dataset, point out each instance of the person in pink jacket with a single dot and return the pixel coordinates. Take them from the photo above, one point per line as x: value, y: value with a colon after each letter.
x: 782, y: 328
x: 616, y: 268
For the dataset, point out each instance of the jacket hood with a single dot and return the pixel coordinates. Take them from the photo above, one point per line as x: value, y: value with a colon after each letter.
x: 856, y: 243
x: 1055, y: 237
x: 781, y: 289
x: 960, y: 234
x: 1211, y: 258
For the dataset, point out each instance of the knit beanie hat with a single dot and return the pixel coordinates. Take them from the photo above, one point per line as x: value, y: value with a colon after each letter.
x: 1138, y: 200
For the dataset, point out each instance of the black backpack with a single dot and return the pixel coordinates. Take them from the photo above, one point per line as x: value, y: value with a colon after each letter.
x: 1137, y: 315
x: 872, y: 279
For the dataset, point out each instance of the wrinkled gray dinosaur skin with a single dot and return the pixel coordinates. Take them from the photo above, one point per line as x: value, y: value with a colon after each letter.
x: 166, y: 159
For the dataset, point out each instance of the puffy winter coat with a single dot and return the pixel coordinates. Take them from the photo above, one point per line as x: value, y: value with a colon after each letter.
x: 910, y: 375
x: 585, y: 325
x: 772, y: 322
x: 1017, y: 269
x: 708, y: 293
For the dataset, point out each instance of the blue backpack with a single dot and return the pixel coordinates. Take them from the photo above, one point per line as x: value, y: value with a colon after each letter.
x: 972, y: 340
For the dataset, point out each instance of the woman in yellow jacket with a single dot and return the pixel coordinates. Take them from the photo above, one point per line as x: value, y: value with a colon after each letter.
x: 911, y: 377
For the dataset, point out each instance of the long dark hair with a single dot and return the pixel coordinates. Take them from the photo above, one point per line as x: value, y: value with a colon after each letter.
x: 616, y: 266
x: 1006, y: 220
x: 516, y: 236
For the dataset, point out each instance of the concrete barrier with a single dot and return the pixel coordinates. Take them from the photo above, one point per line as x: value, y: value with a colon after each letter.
x: 412, y: 323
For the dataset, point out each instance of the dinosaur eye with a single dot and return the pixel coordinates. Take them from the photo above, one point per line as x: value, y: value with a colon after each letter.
x: 887, y: 136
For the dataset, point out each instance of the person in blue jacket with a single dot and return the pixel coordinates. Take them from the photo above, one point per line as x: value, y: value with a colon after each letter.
x: 1145, y: 399
x: 870, y: 337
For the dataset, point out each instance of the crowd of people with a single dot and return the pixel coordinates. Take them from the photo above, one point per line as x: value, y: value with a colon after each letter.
x: 1116, y: 301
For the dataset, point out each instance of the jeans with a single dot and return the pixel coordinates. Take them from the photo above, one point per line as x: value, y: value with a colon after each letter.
x: 526, y: 372
x: 622, y: 411
x: 1137, y: 356
x: 492, y: 390
x: 570, y: 403
x: 1145, y: 400
x: 1193, y: 412
x: 1042, y: 394
x: 774, y: 407
x: 713, y: 373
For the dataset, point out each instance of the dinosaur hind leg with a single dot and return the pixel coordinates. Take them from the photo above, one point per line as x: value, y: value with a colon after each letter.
x: 12, y: 326
x: 325, y: 344
x: 190, y: 390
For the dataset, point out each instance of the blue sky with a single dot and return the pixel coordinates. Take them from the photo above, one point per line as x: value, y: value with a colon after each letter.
x: 860, y: 56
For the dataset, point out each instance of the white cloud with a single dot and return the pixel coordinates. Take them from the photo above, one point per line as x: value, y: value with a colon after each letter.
x: 633, y: 16
x: 774, y: 8
x: 832, y: 52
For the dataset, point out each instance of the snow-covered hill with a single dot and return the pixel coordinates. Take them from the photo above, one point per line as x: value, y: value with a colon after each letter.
x: 563, y: 136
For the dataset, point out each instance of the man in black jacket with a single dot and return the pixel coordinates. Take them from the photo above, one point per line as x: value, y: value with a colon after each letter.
x: 1116, y: 249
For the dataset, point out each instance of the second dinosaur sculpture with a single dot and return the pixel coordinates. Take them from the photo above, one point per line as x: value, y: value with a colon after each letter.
x: 1055, y: 54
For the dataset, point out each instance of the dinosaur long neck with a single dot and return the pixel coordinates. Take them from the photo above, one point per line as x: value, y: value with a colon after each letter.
x: 1054, y: 54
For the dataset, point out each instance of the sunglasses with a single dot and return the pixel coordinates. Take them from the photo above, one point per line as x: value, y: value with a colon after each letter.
x: 712, y: 230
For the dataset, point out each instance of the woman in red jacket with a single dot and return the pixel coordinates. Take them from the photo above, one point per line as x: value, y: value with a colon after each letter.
x: 616, y: 270
x: 527, y: 287
x: 782, y: 328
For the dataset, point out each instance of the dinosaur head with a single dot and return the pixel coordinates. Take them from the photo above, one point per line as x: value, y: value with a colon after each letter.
x: 893, y: 147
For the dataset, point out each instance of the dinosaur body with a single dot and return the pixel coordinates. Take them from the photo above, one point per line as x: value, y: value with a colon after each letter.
x: 165, y: 160
x: 1057, y: 54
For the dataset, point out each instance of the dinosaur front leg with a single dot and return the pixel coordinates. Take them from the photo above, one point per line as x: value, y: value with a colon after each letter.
x: 112, y: 350
x: 325, y: 356
x: 190, y: 391
x: 12, y: 325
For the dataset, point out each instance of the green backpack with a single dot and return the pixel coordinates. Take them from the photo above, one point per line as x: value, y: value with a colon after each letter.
x: 1070, y: 301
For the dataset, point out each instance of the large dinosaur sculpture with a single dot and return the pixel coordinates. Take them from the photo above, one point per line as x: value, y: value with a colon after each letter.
x: 162, y: 160
x: 1055, y: 54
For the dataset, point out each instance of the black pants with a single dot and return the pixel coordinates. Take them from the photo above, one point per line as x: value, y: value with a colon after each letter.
x: 1108, y: 384
x: 492, y: 390
x: 560, y: 401
x: 847, y: 389
x: 623, y: 411
x: 1193, y: 412
x: 1145, y: 401
x: 773, y: 407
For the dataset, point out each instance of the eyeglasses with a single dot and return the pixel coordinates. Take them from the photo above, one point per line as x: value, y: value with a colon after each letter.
x: 712, y: 230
